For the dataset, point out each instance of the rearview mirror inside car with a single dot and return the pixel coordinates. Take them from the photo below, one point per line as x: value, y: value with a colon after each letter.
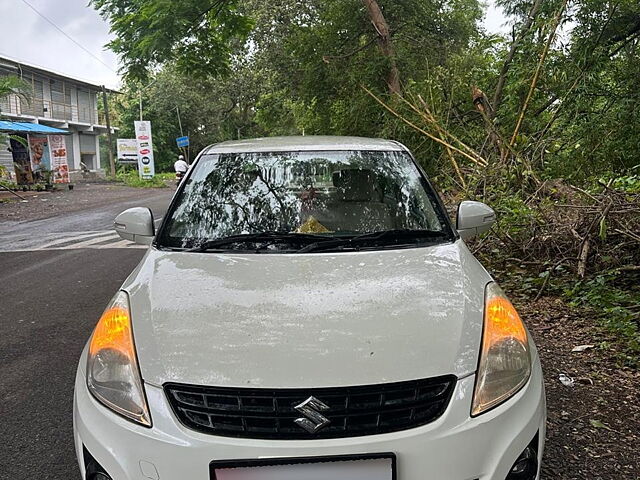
x: 474, y: 218
x: 136, y: 225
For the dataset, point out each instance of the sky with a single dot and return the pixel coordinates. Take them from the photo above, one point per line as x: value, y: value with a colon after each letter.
x: 495, y: 21
x: 27, y: 37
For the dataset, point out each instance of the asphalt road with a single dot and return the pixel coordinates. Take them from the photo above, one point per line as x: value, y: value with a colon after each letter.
x: 50, y: 300
x: 97, y: 217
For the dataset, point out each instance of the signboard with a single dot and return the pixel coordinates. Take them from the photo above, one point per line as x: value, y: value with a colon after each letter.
x: 59, y: 166
x: 40, y: 159
x: 127, y: 150
x: 146, y: 167
x: 182, y: 142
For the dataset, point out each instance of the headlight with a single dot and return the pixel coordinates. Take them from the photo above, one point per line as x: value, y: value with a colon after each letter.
x: 505, y: 360
x: 113, y: 376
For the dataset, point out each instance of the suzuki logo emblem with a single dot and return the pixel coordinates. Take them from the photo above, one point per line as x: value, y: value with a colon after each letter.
x: 314, y: 420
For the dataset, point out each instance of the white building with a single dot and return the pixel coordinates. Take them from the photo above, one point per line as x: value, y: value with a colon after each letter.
x: 57, y: 101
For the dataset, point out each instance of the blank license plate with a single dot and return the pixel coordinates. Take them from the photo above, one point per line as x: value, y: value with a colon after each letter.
x: 360, y: 467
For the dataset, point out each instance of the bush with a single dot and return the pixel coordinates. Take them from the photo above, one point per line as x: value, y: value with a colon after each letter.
x: 613, y: 299
x: 8, y: 184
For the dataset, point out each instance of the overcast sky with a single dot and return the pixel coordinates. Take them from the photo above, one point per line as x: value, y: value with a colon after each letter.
x: 495, y: 21
x: 29, y: 38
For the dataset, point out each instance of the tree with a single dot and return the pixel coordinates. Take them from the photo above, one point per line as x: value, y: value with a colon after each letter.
x: 321, y: 54
x: 302, y: 69
x: 198, y: 35
x: 211, y: 109
x: 12, y: 85
x: 385, y: 43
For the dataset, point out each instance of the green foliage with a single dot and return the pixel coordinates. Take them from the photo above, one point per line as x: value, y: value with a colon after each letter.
x: 166, y: 176
x: 327, y: 51
x: 9, y: 185
x: 131, y: 178
x: 10, y: 84
x: 514, y: 214
x: 626, y: 183
x: 583, y: 116
x: 195, y: 34
x: 211, y: 110
x: 248, y: 68
x: 614, y: 303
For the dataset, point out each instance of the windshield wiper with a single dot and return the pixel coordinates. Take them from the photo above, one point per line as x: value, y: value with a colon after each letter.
x: 260, y: 237
x: 396, y: 237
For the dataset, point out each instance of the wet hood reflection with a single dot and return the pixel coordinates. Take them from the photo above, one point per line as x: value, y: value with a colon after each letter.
x: 322, y: 319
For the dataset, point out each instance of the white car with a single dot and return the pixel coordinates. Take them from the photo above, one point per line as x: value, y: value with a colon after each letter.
x: 307, y: 311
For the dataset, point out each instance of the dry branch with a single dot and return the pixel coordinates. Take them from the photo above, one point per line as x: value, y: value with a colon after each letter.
x: 477, y: 161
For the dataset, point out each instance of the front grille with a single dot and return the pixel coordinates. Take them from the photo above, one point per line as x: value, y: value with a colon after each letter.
x: 270, y: 413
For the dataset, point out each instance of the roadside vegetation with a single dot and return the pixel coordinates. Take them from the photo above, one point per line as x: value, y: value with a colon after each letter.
x: 542, y: 124
x: 131, y: 178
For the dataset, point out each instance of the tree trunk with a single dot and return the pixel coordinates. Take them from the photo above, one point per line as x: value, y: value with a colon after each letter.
x: 384, y: 42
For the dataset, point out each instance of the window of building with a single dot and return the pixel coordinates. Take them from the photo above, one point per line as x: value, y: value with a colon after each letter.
x: 60, y: 100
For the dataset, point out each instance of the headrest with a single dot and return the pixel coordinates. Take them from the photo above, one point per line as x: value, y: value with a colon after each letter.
x: 355, y: 185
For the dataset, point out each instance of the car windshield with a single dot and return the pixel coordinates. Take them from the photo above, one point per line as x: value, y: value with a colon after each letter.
x: 295, y: 201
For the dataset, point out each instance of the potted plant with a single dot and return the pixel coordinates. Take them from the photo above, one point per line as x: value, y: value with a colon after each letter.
x: 47, y: 176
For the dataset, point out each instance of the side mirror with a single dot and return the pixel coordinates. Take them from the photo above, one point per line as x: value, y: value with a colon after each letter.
x: 136, y: 225
x: 474, y: 218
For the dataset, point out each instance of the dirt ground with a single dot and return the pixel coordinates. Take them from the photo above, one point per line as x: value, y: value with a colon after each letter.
x: 83, y: 196
x: 593, y: 429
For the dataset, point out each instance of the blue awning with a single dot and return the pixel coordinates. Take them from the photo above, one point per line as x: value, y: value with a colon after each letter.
x: 27, y: 127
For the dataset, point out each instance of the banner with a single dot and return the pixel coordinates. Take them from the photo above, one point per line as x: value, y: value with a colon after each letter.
x: 59, y: 166
x: 127, y: 150
x: 40, y: 159
x: 146, y: 167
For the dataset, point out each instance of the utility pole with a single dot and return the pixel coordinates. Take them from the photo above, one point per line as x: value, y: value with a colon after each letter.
x: 184, y: 150
x: 112, y: 164
x: 179, y: 121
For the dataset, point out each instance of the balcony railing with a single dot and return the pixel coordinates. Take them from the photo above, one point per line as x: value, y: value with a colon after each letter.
x: 46, y: 109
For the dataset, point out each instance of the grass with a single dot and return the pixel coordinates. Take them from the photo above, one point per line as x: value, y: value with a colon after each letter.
x: 166, y: 176
x: 132, y: 179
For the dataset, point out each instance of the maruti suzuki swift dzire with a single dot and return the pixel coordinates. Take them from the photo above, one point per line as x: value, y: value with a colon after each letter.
x: 308, y: 311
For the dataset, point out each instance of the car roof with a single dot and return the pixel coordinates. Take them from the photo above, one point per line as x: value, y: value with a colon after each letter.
x: 303, y: 143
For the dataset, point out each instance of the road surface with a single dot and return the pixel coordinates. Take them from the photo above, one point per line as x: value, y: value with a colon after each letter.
x: 56, y: 275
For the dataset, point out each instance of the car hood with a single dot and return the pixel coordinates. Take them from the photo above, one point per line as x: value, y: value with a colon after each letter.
x: 307, y: 320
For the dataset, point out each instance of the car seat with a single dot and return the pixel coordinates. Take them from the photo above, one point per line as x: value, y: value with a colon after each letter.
x: 356, y: 205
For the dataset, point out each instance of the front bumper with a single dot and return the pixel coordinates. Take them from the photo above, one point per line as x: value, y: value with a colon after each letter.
x: 454, y: 447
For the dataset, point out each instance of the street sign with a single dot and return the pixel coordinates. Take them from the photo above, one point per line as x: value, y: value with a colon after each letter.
x: 127, y: 150
x: 182, y: 141
x: 146, y: 166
